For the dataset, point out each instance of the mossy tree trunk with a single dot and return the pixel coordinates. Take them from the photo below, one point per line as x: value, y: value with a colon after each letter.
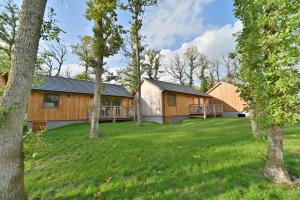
x: 16, y: 97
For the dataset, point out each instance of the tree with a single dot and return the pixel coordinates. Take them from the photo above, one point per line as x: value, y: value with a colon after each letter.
x: 128, y: 78
x: 152, y: 65
x: 177, y: 70
x: 14, y: 100
x: 191, y: 56
x: 9, y: 20
x: 84, y: 53
x: 204, y: 65
x: 52, y: 59
x: 8, y: 28
x: 270, y: 53
x: 137, y: 9
x: 107, y: 42
x: 232, y: 64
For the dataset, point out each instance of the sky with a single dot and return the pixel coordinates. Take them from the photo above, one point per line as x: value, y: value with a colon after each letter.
x: 172, y: 26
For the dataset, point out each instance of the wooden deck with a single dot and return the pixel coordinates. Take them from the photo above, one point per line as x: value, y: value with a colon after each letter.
x: 116, y: 113
x: 204, y: 111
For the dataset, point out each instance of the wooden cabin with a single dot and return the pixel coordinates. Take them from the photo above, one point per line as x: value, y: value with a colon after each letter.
x: 57, y: 101
x: 168, y: 103
x: 227, y: 95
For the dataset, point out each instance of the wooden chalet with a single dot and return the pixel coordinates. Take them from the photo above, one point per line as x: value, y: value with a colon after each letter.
x: 228, y: 95
x: 168, y: 103
x: 59, y: 101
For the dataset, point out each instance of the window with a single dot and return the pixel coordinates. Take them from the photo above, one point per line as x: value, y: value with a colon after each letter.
x: 51, y: 101
x: 116, y: 102
x: 111, y: 101
x: 171, y: 100
x: 105, y: 102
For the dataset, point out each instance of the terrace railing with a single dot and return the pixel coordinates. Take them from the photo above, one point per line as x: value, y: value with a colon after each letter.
x: 206, y: 110
x: 116, y: 112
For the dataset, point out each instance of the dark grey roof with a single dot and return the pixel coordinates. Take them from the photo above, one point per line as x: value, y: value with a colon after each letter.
x: 59, y: 84
x: 166, y: 86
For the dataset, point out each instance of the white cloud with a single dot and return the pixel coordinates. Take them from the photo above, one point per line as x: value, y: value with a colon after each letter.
x: 71, y: 69
x: 213, y: 43
x: 174, y: 20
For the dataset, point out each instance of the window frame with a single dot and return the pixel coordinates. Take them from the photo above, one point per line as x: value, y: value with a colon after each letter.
x: 175, y: 101
x: 53, y: 94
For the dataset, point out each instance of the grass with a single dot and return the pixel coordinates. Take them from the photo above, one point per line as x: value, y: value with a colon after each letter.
x: 196, y: 159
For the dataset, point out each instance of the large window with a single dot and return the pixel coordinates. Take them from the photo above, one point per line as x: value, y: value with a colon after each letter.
x: 51, y: 100
x: 111, y: 101
x: 172, y: 100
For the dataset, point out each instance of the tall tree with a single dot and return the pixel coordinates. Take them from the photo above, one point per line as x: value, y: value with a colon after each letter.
x: 52, y: 59
x: 9, y: 20
x: 137, y: 9
x: 14, y: 100
x: 84, y: 53
x: 203, y: 64
x: 191, y: 56
x: 152, y: 64
x: 128, y: 77
x: 107, y: 42
x: 270, y: 52
x: 177, y: 70
x: 8, y: 28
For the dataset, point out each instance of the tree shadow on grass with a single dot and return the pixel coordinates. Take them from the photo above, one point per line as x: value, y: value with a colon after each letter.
x: 207, y: 185
x: 292, y: 160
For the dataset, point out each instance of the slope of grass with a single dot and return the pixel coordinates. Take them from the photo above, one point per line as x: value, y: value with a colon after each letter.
x: 196, y: 159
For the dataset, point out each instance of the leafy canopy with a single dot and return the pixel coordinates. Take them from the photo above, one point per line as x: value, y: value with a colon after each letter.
x: 270, y: 57
x: 107, y: 33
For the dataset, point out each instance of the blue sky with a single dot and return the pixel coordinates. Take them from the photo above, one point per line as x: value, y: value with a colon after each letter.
x: 170, y: 26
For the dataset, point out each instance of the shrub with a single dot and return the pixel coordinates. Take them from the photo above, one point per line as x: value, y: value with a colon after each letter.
x: 25, y: 127
x: 33, y: 142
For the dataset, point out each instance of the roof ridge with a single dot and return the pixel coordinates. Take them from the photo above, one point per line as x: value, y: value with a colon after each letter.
x: 79, y: 80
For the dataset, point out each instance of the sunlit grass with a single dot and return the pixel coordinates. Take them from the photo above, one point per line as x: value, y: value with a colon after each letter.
x: 196, y: 159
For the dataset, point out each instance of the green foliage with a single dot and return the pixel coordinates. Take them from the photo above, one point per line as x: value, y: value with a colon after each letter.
x: 191, y: 56
x: 50, y: 30
x: 152, y: 65
x: 9, y: 19
x: 128, y: 78
x: 83, y: 76
x: 84, y: 53
x: 270, y: 52
x: 195, y: 159
x: 107, y: 33
x: 25, y: 127
x: 34, y: 143
x: 204, y: 64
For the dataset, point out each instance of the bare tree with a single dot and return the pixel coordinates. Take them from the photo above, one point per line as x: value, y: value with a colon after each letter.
x: 14, y: 100
x: 177, y: 69
x: 52, y: 59
x: 232, y: 65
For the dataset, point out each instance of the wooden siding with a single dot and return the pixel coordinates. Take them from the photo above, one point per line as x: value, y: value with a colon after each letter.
x: 151, y: 99
x: 228, y: 95
x: 183, y: 102
x: 72, y: 106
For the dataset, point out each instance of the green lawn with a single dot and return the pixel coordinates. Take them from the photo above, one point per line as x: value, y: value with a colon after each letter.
x: 196, y: 159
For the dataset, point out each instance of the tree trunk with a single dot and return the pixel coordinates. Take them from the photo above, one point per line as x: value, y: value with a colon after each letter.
x: 254, y: 124
x: 16, y: 97
x: 275, y: 166
x: 138, y: 60
x: 97, y: 99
